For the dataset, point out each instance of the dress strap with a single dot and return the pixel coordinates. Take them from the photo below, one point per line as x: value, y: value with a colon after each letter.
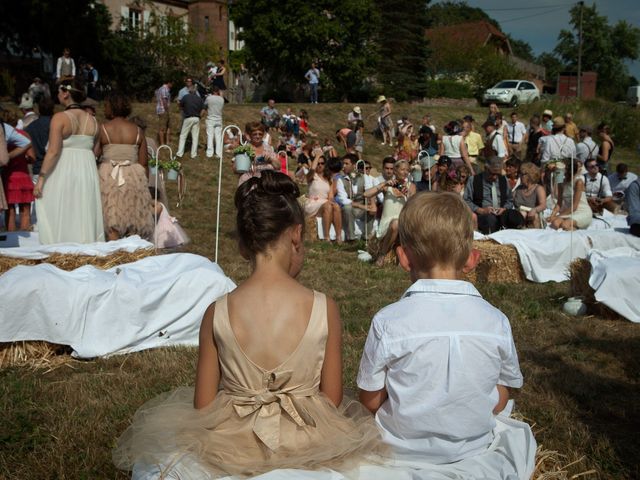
x: 74, y: 122
x: 137, y: 135
x: 106, y: 134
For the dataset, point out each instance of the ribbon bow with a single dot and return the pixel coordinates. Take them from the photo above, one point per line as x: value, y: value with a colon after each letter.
x: 117, y: 173
x: 270, y: 404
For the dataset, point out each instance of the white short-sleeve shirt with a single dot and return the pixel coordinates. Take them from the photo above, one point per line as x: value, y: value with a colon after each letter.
x: 598, y: 186
x: 439, y: 352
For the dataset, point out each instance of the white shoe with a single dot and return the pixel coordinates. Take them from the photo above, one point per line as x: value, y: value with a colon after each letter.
x: 383, y: 143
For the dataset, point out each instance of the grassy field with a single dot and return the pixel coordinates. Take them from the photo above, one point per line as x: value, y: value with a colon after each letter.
x: 582, y: 384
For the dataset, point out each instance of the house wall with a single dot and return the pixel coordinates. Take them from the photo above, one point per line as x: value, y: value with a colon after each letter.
x: 119, y: 9
x: 210, y: 19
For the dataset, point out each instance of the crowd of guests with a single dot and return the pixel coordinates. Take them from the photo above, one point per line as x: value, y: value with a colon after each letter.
x: 79, y: 181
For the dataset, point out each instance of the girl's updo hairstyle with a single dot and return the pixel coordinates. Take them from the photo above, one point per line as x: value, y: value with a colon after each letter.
x: 267, y: 206
x: 75, y: 88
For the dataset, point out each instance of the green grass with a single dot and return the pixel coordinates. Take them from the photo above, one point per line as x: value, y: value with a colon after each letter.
x: 581, y: 392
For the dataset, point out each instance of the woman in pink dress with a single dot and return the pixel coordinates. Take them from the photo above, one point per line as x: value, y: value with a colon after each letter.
x: 320, y: 199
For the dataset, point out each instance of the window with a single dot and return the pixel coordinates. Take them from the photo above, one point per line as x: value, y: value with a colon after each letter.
x: 206, y: 23
x: 135, y: 18
x: 529, y: 86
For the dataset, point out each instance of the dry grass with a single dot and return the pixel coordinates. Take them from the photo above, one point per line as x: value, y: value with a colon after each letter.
x: 582, y: 382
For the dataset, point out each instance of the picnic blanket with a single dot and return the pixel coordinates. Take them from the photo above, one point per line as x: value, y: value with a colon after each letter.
x: 154, y: 302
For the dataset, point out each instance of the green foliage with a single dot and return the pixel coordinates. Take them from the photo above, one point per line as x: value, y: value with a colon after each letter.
x: 605, y: 49
x: 7, y: 83
x: 283, y: 38
x: 489, y: 68
x: 452, y: 13
x: 403, y: 48
x: 171, y: 165
x: 245, y: 149
x: 521, y: 49
x: 552, y: 64
x: 449, y: 89
x: 165, y: 50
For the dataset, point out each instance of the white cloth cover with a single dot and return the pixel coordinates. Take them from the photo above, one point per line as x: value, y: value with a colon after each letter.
x: 513, y: 441
x: 26, y: 245
x: 616, y: 281
x: 545, y: 255
x: 155, y: 302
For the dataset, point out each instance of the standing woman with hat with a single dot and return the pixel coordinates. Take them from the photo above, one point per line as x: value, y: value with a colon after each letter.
x: 384, y: 119
x: 69, y: 208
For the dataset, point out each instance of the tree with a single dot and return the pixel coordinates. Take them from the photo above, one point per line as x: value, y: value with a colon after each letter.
x: 521, y: 49
x: 452, y: 13
x: 403, y: 48
x: 605, y: 49
x: 48, y: 26
x: 552, y: 64
x: 283, y: 38
x: 164, y: 49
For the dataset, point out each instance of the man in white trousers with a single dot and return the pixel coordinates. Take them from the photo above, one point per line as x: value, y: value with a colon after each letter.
x: 214, y: 104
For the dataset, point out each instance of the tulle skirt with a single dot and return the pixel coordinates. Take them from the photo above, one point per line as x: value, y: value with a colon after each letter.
x: 167, y: 429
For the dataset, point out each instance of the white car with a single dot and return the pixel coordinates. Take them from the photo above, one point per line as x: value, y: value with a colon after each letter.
x: 511, y: 92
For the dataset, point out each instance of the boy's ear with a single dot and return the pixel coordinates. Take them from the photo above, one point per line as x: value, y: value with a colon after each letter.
x: 472, y: 261
x: 403, y: 258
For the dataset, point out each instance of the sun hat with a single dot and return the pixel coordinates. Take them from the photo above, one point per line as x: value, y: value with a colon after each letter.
x: 547, y: 112
x: 381, y: 98
x: 26, y: 101
x: 357, y: 109
x: 558, y: 122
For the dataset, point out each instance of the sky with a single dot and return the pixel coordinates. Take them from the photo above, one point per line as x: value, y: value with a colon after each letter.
x: 538, y: 22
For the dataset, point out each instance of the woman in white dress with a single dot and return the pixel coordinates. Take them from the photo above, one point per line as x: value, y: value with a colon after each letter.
x: 69, y: 207
x: 396, y: 192
x: 563, y: 215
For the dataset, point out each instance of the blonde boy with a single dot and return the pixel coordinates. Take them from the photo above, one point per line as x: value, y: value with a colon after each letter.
x: 437, y: 364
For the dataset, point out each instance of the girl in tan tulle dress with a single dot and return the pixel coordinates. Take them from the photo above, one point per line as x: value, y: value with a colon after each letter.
x: 126, y: 201
x: 268, y: 391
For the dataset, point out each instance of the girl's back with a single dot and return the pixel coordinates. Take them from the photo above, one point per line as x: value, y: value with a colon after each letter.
x: 269, y: 318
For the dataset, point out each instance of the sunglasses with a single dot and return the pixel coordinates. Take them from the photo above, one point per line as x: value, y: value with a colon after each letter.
x: 589, y: 167
x: 320, y: 163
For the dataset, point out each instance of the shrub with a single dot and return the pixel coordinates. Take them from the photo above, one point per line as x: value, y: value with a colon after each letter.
x: 448, y: 89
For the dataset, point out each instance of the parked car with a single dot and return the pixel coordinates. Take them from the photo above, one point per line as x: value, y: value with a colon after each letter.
x: 511, y: 92
x: 633, y: 96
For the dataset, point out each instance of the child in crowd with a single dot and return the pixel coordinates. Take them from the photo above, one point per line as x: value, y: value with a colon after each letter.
x: 438, y: 364
x: 268, y: 391
x: 168, y: 232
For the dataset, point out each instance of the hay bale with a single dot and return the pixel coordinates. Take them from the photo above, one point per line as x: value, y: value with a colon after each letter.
x: 579, y: 273
x: 311, y: 228
x: 40, y: 354
x: 498, y: 264
x: 70, y: 262
x: 34, y: 355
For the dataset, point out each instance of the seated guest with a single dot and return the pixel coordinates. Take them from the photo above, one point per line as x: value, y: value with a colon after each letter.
x: 396, y: 192
x: 320, y: 201
x: 279, y: 406
x: 572, y: 210
x: 386, y: 175
x: 632, y: 205
x: 489, y: 197
x: 265, y: 156
x: 512, y: 172
x: 350, y: 197
x: 442, y: 168
x: 529, y: 197
x: 620, y: 181
x: 438, y: 365
x: 597, y: 188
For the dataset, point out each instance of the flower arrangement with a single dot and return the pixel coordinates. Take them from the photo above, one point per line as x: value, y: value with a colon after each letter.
x: 245, y: 149
x: 172, y: 165
x: 153, y: 162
